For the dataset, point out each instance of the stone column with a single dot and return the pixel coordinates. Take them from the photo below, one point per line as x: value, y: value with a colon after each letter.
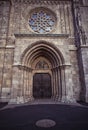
x: 59, y: 84
x: 30, y: 85
x: 20, y: 95
x: 84, y: 73
x: 68, y: 84
x: 52, y: 84
x: 11, y: 19
x: 62, y: 84
x: 27, y: 86
x: 54, y: 91
x: 15, y: 85
x: 27, y: 89
x: 55, y: 84
x: 24, y: 86
x: 21, y: 82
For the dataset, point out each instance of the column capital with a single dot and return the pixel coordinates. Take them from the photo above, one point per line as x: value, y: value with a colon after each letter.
x: 63, y: 66
x: 22, y: 67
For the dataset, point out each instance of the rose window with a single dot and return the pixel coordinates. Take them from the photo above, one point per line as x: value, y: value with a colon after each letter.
x: 42, y: 21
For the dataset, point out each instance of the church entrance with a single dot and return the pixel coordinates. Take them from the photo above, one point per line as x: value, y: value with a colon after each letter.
x: 42, y: 86
x: 42, y: 72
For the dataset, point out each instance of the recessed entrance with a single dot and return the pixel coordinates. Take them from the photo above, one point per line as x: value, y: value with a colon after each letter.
x: 42, y: 86
x: 43, y: 72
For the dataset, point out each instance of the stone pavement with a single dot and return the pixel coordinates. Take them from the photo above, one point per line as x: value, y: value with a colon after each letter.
x: 48, y: 115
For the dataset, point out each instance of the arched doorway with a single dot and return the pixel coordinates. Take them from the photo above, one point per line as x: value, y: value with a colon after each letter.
x: 42, y: 86
x: 43, y: 73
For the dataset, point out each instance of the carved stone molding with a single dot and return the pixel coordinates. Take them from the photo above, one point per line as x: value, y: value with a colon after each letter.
x: 46, y: 2
x: 42, y: 35
x: 22, y: 67
x: 11, y: 40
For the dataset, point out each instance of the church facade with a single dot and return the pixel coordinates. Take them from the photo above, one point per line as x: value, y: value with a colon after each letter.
x: 43, y: 50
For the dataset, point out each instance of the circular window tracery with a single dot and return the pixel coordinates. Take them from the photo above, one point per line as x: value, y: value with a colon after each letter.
x: 42, y: 21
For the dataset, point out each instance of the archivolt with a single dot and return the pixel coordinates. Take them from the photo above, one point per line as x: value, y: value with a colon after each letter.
x: 44, y: 49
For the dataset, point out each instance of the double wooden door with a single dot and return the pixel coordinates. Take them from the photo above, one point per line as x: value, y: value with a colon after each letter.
x: 42, y: 85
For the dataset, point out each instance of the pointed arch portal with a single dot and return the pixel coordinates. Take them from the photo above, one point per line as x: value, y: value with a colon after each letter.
x: 43, y: 72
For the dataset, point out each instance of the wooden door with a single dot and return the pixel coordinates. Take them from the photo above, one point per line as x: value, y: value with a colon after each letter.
x: 42, y: 85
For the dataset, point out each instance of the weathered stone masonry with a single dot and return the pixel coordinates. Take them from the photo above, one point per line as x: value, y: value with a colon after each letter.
x: 64, y: 49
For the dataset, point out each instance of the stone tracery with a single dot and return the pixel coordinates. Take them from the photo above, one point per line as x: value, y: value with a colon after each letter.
x: 42, y: 21
x: 41, y: 65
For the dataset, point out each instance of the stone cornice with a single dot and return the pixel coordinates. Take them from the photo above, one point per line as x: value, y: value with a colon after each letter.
x: 10, y: 47
x: 39, y: 1
x: 42, y: 35
x: 22, y: 67
x: 7, y: 47
x: 82, y: 47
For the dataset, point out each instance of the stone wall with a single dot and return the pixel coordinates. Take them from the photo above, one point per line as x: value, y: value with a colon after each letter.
x: 20, y: 37
x: 6, y: 53
x: 84, y: 48
x: 62, y: 11
x: 81, y: 22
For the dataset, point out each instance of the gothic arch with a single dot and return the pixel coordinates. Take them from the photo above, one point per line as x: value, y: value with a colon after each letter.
x: 48, y: 48
x: 54, y: 58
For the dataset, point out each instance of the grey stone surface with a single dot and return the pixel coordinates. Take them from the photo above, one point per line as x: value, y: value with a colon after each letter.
x: 65, y: 49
